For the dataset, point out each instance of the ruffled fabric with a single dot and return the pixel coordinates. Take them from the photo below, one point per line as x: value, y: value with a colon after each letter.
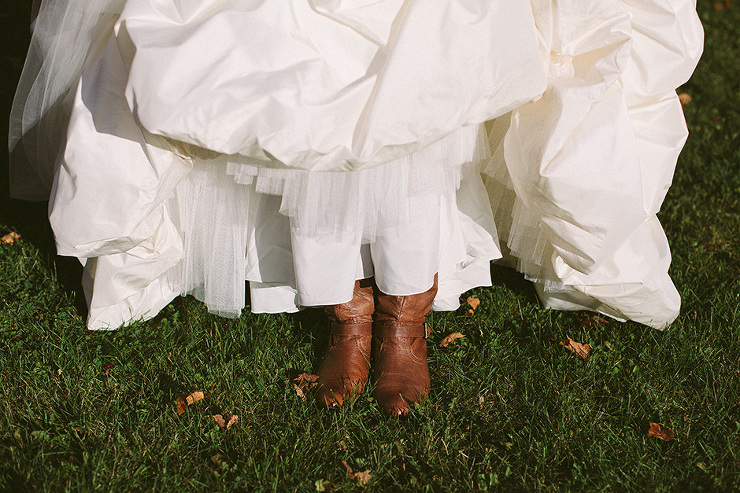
x: 325, y: 86
x: 63, y: 34
x: 333, y: 141
x: 581, y: 172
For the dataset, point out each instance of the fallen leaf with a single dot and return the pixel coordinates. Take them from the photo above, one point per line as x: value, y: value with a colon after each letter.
x: 661, y: 432
x: 581, y: 350
x: 299, y: 392
x: 225, y: 421
x: 303, y: 382
x: 593, y: 320
x: 363, y: 476
x: 474, y: 303
x: 184, y: 401
x: 722, y: 5
x: 194, y: 397
x: 685, y: 98
x: 306, y: 380
x: 447, y: 340
x: 10, y: 238
x: 182, y: 404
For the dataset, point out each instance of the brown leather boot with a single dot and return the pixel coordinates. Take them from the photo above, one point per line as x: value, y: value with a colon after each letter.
x: 401, y: 374
x: 344, y: 368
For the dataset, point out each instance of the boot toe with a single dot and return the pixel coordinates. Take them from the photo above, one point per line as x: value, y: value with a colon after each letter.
x: 392, y: 403
x: 397, y: 401
x: 329, y: 399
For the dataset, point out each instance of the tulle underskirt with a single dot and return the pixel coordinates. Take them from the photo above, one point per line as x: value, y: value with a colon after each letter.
x: 195, y: 196
x: 237, y: 222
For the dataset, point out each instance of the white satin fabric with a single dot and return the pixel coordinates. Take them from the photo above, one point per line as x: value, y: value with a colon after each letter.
x: 302, y: 145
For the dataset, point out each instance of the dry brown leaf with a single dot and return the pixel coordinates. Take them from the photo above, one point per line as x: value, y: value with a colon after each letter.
x: 299, y: 392
x: 447, y: 340
x: 232, y: 421
x: 661, y: 432
x: 303, y: 382
x: 194, y: 397
x: 182, y: 404
x: 225, y: 421
x: 581, y: 350
x: 10, y: 238
x: 306, y: 380
x: 722, y: 5
x: 685, y: 98
x: 593, y: 320
x: 474, y: 303
x: 184, y: 401
x: 363, y: 476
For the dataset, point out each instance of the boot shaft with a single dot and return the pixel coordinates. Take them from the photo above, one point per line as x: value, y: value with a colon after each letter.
x: 403, y: 311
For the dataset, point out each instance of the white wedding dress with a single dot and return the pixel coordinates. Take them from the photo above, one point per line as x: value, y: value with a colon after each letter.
x: 190, y: 145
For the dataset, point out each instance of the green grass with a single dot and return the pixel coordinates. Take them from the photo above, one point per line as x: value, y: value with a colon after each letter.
x: 510, y: 408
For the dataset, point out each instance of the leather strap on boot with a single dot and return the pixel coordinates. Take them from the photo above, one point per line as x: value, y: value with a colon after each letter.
x: 384, y: 330
x: 401, y: 373
x: 350, y: 329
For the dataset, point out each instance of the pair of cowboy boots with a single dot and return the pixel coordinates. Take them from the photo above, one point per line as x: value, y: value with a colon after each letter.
x: 392, y: 328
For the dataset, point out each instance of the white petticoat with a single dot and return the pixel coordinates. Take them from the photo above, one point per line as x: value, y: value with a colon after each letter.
x: 200, y: 153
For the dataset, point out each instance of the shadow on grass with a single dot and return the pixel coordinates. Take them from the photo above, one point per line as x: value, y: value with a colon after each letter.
x: 310, y: 325
x: 15, y: 481
x: 29, y: 219
x: 514, y: 282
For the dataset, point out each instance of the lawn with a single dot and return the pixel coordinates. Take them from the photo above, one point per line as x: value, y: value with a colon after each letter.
x: 510, y: 408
